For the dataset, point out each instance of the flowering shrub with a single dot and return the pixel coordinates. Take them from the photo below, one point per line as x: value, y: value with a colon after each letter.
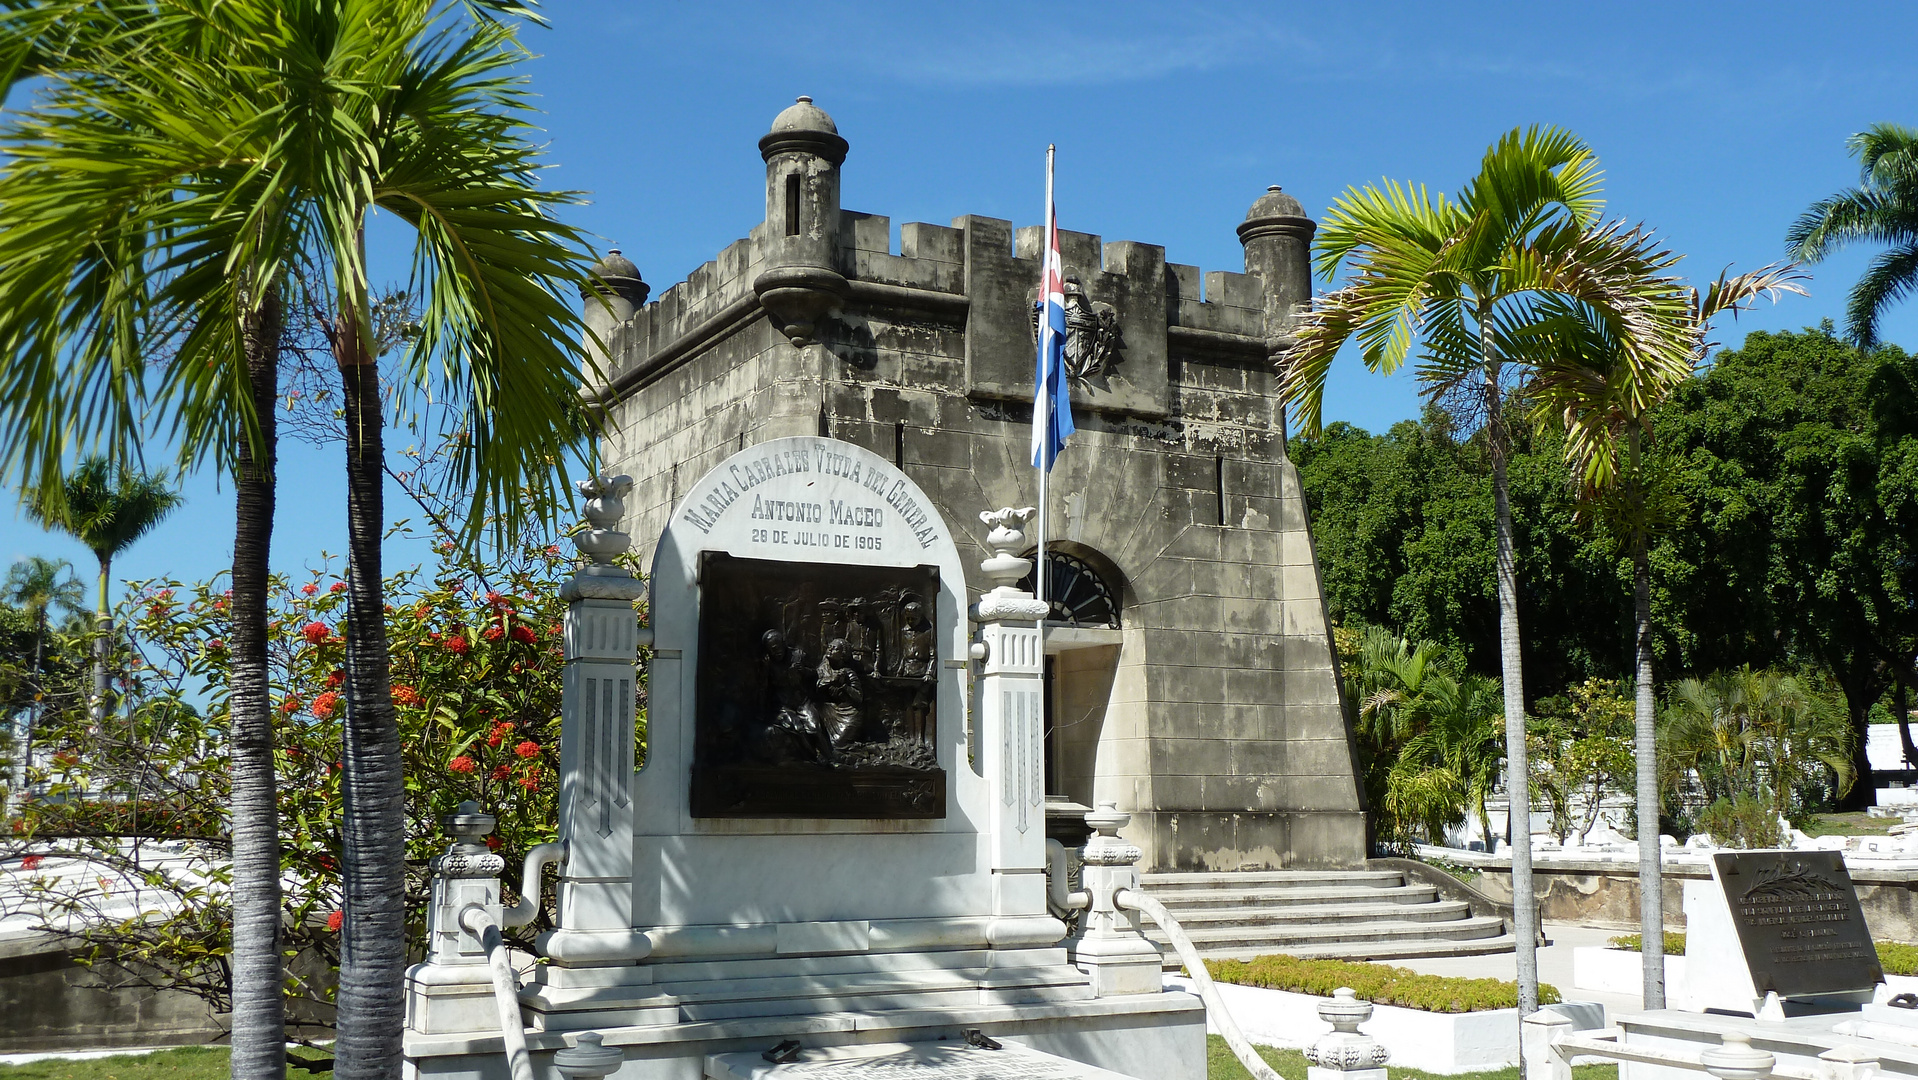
x: 475, y: 680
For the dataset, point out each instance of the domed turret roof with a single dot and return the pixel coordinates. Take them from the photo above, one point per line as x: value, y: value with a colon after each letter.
x: 618, y: 273
x: 805, y: 128
x: 615, y: 265
x: 803, y: 115
x: 1275, y: 203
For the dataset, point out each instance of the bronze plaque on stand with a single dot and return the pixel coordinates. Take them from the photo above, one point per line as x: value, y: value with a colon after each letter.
x: 817, y: 691
x: 1799, y: 922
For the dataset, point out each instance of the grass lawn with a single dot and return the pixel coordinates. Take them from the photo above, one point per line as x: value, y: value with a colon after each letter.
x: 1859, y: 824
x: 1221, y: 1065
x: 183, y: 1063
x: 210, y: 1063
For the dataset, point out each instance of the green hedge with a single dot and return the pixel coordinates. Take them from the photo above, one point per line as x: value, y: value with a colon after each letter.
x: 1674, y: 943
x: 1376, y: 983
x: 1897, y: 957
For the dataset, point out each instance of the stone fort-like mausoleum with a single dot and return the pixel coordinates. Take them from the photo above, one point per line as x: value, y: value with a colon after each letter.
x: 1190, y: 672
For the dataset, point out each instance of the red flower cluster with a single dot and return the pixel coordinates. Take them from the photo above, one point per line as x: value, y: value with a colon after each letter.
x: 527, y: 749
x: 462, y: 764
x: 309, y: 588
x: 500, y: 731
x: 215, y: 645
x: 315, y: 632
x: 338, y: 677
x: 495, y: 599
x: 491, y: 633
x: 458, y: 645
x: 492, y: 843
x: 32, y: 862
x: 405, y: 695
x: 501, y: 771
x: 335, y: 921
x: 338, y: 586
x: 290, y: 706
x: 524, y: 633
x: 324, y: 705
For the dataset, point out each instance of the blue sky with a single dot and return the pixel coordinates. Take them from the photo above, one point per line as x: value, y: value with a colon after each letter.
x: 1716, y: 125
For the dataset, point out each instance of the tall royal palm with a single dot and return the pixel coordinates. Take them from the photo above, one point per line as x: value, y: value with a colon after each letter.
x: 284, y: 127
x: 107, y: 508
x: 1882, y: 209
x: 1606, y: 412
x: 1466, y: 279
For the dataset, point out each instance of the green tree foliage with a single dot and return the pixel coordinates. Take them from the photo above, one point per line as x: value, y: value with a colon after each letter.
x: 1582, y: 751
x: 1756, y: 735
x: 476, y: 683
x: 1403, y: 524
x: 106, y: 508
x: 1882, y: 209
x: 1430, y: 741
x: 1799, y: 459
x: 1796, y: 456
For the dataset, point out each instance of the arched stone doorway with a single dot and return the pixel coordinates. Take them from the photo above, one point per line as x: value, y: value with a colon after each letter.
x: 1084, y: 642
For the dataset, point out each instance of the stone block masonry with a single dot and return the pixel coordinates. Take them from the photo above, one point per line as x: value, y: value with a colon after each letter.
x: 1210, y: 711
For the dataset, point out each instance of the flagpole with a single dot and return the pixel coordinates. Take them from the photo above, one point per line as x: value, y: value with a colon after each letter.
x: 1039, y: 578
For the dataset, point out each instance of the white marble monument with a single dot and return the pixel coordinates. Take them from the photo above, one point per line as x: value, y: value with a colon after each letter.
x: 703, y: 913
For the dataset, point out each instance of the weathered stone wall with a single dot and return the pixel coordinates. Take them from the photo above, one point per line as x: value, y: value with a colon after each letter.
x: 1215, y: 720
x: 1606, y: 895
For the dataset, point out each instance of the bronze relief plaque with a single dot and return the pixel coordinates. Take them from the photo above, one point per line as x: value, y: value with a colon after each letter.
x: 817, y: 691
x: 1799, y: 922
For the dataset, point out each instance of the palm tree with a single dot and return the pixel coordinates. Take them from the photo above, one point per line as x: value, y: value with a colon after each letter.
x: 1755, y: 732
x: 37, y: 585
x: 1883, y: 209
x: 187, y: 156
x: 1607, y: 415
x: 1468, y: 279
x: 106, y: 508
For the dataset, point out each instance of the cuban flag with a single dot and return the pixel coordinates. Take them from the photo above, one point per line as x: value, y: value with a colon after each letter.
x: 1051, y: 402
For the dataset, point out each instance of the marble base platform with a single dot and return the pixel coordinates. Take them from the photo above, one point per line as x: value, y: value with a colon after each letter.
x: 1796, y: 1041
x: 689, y: 1012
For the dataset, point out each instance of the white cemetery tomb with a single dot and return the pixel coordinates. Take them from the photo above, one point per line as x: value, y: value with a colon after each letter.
x: 837, y: 842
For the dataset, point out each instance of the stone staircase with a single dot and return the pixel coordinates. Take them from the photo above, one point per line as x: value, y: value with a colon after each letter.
x: 1346, y: 914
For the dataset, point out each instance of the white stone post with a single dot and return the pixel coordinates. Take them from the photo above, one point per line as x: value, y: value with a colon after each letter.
x: 596, y: 743
x: 452, y: 990
x: 1111, y: 947
x: 1011, y: 712
x: 1345, y: 1052
x: 1538, y: 1040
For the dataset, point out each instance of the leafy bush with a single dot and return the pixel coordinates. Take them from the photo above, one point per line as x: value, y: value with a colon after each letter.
x: 476, y: 679
x: 1898, y: 957
x: 1377, y: 983
x: 1674, y: 943
x: 1743, y: 822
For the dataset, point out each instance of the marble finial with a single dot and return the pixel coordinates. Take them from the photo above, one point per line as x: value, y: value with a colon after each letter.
x: 605, y: 506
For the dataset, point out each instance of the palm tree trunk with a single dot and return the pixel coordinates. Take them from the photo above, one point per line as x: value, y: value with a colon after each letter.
x: 102, y: 638
x: 1651, y: 878
x: 373, y: 942
x: 1518, y: 784
x: 259, y: 1001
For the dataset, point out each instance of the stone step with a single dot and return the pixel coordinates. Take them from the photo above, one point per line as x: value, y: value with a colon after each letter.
x: 1194, y: 900
x: 1432, y: 912
x: 874, y: 992
x: 1282, y: 937
x: 1373, y: 950
x: 1161, y: 885
x: 851, y: 963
